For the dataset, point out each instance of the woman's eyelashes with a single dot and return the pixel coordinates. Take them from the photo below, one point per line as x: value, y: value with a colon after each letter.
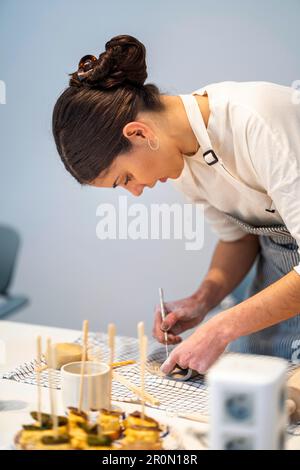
x: 125, y: 182
x: 127, y: 179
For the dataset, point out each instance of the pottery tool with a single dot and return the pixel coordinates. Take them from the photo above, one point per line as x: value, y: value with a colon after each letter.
x: 51, y: 389
x: 163, y: 316
x: 178, y: 373
x: 85, y: 328
x: 111, y: 344
x: 38, y: 379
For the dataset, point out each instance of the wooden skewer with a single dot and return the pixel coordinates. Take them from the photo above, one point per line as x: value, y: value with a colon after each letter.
x: 97, y: 358
x: 98, y: 394
x: 51, y: 389
x: 85, y: 331
x: 90, y: 387
x: 38, y: 379
x: 115, y: 365
x: 136, y: 390
x: 85, y: 327
x: 111, y: 345
x: 123, y: 363
x: 41, y: 368
x: 195, y: 417
x: 141, y: 333
x: 143, y: 368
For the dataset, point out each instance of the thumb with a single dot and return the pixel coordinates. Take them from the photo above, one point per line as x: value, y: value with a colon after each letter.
x: 169, y: 321
x: 169, y: 364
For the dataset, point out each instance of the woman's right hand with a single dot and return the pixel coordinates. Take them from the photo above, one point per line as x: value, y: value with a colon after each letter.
x: 181, y: 315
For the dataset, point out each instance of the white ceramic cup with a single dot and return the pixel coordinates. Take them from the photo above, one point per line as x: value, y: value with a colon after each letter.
x: 96, y: 385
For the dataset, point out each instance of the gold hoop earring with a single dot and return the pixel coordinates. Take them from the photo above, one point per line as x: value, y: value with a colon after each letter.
x: 150, y: 145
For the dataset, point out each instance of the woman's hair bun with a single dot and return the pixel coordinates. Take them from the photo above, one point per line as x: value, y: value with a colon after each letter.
x: 122, y: 63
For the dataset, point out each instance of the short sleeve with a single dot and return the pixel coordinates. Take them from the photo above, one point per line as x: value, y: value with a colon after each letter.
x: 278, y: 168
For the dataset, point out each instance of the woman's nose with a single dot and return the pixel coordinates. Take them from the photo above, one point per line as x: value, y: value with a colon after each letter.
x: 136, y: 189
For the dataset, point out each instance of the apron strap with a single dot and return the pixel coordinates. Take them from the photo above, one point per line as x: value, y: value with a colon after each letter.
x: 209, y: 155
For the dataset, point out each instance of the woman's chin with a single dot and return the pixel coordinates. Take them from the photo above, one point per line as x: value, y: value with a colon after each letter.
x: 176, y: 174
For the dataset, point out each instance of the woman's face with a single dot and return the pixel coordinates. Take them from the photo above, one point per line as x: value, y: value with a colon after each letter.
x: 143, y: 167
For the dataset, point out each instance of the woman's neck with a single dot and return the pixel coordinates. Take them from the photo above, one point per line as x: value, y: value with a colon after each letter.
x: 178, y: 125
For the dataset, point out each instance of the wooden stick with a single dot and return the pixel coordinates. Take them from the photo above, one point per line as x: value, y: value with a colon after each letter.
x: 123, y: 363
x: 136, y: 390
x: 85, y: 328
x: 143, y: 368
x: 98, y: 400
x: 51, y: 388
x: 115, y: 365
x: 85, y: 331
x: 194, y: 417
x: 97, y: 358
x: 141, y: 333
x: 38, y: 379
x: 90, y: 387
x: 111, y: 344
x: 41, y: 368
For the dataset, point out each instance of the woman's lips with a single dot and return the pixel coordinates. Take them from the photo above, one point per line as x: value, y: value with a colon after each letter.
x: 163, y: 180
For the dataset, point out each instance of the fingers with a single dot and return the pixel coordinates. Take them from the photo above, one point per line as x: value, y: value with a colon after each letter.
x: 178, y: 357
x: 169, y: 364
x: 157, y: 331
x: 160, y: 335
x: 169, y: 321
x: 172, y: 339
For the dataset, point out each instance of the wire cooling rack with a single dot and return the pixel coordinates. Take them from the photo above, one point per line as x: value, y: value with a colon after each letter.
x: 174, y: 397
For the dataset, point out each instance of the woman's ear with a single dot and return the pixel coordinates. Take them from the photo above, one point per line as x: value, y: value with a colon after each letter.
x: 134, y: 128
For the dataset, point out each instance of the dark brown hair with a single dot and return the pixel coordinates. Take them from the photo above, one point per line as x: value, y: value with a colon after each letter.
x: 89, y: 116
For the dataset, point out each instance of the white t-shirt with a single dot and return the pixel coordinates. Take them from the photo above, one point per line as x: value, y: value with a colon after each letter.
x: 255, y: 128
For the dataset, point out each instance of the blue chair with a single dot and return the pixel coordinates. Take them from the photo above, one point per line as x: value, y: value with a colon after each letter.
x: 9, y: 246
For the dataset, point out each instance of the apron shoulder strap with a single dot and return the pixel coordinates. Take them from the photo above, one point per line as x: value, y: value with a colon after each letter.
x: 209, y: 155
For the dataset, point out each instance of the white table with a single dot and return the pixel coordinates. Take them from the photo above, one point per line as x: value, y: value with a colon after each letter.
x: 17, y: 399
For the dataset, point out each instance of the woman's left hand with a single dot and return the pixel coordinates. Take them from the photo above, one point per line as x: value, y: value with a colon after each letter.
x: 200, y: 350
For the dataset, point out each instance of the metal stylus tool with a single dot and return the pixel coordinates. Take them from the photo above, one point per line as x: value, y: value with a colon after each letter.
x: 163, y: 316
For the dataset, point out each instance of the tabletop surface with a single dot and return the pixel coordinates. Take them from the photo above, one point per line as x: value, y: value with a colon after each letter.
x: 18, y: 399
x: 17, y: 341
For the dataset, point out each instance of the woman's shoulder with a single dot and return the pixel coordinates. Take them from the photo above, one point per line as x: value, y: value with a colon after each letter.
x: 245, y: 90
x: 241, y: 101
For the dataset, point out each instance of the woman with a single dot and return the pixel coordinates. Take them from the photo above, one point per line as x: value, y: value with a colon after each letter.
x: 235, y: 148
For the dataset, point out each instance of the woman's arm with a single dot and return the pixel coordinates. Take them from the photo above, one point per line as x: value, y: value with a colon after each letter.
x: 276, y: 303
x: 230, y: 263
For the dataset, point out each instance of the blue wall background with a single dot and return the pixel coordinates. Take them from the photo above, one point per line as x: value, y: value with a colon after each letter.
x: 66, y: 271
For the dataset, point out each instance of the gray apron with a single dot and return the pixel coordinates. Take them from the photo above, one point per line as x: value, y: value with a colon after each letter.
x: 278, y: 255
x: 278, y: 252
